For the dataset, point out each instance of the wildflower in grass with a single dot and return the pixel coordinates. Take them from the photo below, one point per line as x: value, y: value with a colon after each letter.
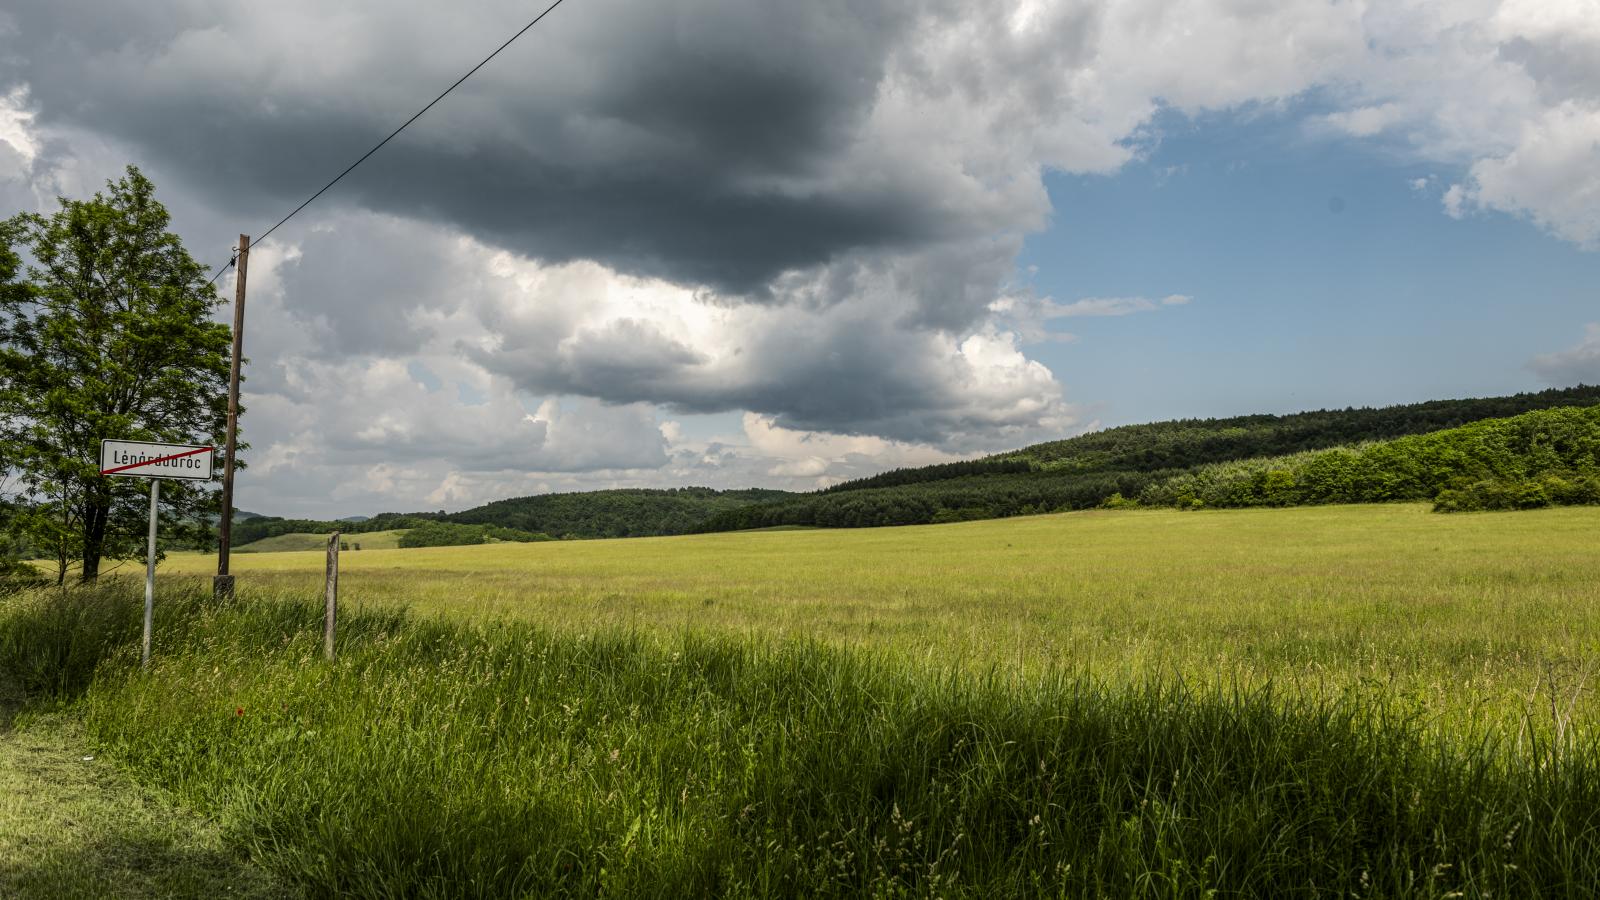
x: 238, y: 711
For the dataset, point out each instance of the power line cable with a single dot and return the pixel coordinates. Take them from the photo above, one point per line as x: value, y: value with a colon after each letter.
x: 392, y: 134
x: 225, y: 267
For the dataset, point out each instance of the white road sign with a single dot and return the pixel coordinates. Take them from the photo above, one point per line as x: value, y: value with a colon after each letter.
x: 144, y: 459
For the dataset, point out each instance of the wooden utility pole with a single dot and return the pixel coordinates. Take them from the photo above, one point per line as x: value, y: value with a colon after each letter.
x: 222, y: 585
x: 332, y: 599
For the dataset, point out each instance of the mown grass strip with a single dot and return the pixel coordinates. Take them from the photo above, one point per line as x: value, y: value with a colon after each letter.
x: 72, y: 825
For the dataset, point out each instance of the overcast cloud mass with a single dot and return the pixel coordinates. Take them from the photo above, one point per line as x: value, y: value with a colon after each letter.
x: 802, y: 217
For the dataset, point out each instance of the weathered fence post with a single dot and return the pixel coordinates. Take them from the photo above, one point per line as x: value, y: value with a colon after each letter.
x: 333, y: 596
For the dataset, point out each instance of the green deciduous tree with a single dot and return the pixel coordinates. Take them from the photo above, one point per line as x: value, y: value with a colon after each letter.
x: 109, y: 335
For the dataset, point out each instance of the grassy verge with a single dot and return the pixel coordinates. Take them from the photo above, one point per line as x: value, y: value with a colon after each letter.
x: 502, y: 759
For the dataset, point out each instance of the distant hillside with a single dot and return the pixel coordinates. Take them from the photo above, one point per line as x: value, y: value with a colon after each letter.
x: 1084, y: 471
x: 1540, y: 458
x: 592, y: 514
x: 261, y: 528
x: 631, y: 512
x: 1075, y: 473
x: 376, y: 540
x: 1186, y: 443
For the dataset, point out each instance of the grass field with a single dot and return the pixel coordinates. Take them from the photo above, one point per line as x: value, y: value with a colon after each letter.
x: 301, y: 541
x: 1351, y: 701
x: 1480, y: 617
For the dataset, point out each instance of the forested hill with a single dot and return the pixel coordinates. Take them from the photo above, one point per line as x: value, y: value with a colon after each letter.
x: 1189, y: 442
x: 1548, y: 457
x: 591, y: 514
x: 632, y: 512
x: 1184, y: 443
x: 1076, y: 473
x: 1085, y: 471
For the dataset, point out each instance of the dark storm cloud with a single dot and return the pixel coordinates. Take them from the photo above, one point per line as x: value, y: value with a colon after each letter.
x: 690, y: 141
x: 830, y: 191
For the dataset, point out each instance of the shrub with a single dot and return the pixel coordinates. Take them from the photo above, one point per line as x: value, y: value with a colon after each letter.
x: 450, y: 534
x: 1550, y: 489
x: 1532, y: 460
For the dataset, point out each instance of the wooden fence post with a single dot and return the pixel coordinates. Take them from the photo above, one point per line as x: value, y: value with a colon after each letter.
x: 333, y: 596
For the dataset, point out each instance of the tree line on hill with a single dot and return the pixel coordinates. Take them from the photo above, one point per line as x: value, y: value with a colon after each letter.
x: 1185, y: 443
x: 452, y: 534
x: 256, y: 528
x: 630, y: 512
x: 937, y: 472
x: 418, y: 530
x: 1541, y: 458
x: 1092, y: 469
x: 949, y: 500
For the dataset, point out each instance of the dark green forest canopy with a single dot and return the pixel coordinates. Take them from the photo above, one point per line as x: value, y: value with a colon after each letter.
x: 1542, y: 458
x: 1088, y: 470
x: 1187, y: 442
x: 257, y: 527
x: 453, y: 534
x: 633, y: 512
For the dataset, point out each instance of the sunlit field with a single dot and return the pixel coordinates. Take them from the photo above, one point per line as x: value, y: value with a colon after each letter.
x: 1482, y: 616
x: 1356, y: 701
x: 372, y: 540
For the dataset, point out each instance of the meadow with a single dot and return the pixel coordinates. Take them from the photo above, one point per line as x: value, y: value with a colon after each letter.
x: 1473, y: 619
x: 1351, y: 701
x: 301, y: 541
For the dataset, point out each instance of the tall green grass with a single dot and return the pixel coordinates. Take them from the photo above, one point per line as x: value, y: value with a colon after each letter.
x: 443, y: 759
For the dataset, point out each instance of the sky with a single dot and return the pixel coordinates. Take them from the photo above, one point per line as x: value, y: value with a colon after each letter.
x: 746, y: 243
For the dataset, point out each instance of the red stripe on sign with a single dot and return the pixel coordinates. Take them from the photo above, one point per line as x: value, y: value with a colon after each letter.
x: 159, y: 459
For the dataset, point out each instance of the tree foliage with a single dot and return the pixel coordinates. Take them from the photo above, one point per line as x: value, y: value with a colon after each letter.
x: 1536, y: 459
x: 937, y: 472
x: 451, y: 534
x: 592, y: 514
x: 260, y: 527
x: 110, y: 335
x: 1186, y: 443
x: 1127, y: 462
x: 614, y: 513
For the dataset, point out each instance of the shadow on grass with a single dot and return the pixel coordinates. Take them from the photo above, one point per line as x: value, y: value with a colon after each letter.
x: 73, y: 826
x: 133, y: 863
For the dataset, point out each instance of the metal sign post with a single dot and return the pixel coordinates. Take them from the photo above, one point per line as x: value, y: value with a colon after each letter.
x: 145, y: 459
x: 150, y: 576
